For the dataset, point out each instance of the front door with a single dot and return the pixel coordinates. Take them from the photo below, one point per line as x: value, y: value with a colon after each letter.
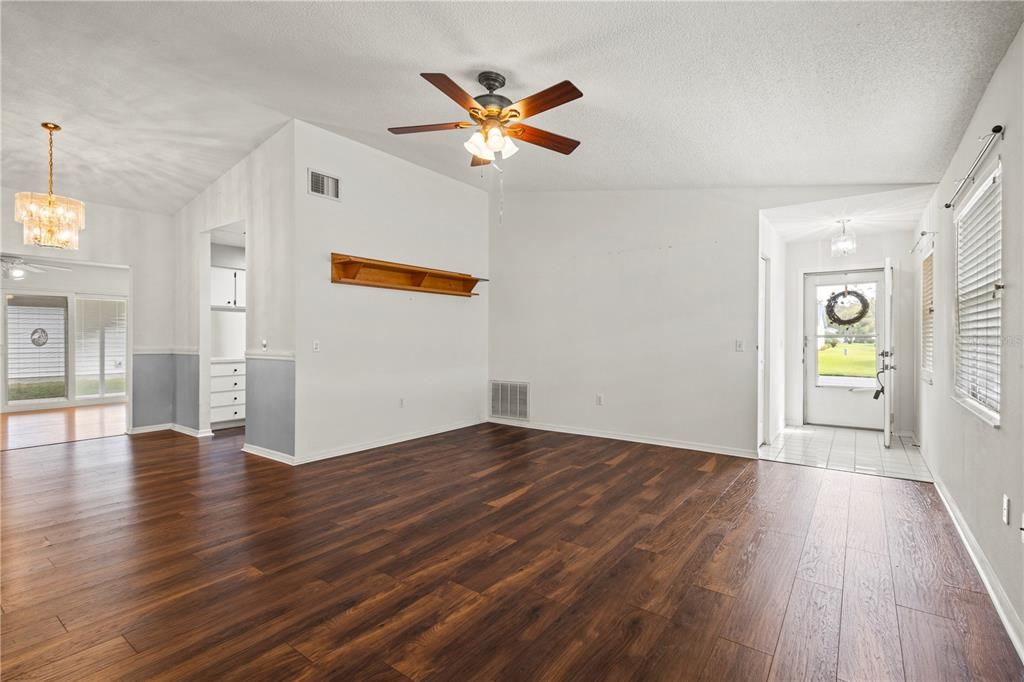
x: 844, y: 315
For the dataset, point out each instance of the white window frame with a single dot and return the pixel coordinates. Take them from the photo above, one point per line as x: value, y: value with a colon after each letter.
x: 981, y: 410
x: 928, y: 318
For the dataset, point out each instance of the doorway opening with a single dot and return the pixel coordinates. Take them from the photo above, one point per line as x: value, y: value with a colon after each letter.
x: 764, y: 407
x: 66, y: 355
x: 844, y: 320
x: 839, y: 311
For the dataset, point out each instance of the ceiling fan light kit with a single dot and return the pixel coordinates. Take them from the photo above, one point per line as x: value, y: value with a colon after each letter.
x: 497, y: 119
x: 49, y: 219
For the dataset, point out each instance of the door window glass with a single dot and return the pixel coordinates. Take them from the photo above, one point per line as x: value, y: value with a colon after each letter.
x: 847, y: 353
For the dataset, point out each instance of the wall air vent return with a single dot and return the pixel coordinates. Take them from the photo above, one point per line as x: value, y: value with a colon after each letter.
x: 510, y: 399
x: 324, y: 185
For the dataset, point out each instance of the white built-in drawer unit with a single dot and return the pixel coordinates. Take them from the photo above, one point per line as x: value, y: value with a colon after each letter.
x: 227, y: 369
x: 220, y: 399
x: 227, y: 413
x: 227, y: 390
x: 234, y: 382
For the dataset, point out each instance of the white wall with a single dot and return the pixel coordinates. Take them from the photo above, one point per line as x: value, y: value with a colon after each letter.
x: 774, y: 249
x: 815, y: 256
x: 973, y: 463
x: 380, y: 346
x: 117, y: 236
x: 258, y: 192
x: 639, y: 296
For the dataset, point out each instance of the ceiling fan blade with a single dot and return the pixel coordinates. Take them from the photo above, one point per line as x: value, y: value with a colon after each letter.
x: 550, y: 98
x: 477, y: 161
x: 431, y: 127
x: 542, y: 138
x: 452, y: 89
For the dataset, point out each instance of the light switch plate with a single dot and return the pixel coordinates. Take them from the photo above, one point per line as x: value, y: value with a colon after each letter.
x: 316, y: 345
x: 739, y: 345
x: 1006, y: 509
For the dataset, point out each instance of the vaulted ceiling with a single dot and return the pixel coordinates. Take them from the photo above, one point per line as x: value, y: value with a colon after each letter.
x: 158, y: 99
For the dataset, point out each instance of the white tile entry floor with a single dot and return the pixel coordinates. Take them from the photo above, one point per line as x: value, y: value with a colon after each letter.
x: 855, y: 450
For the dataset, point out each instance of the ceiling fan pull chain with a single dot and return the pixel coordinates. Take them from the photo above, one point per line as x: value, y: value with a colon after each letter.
x: 501, y: 193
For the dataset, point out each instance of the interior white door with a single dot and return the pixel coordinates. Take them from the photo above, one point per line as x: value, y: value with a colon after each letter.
x: 888, y: 355
x: 841, y: 359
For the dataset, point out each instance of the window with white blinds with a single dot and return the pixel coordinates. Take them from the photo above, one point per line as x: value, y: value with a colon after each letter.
x: 101, y: 334
x: 36, y: 347
x: 928, y: 313
x: 978, y: 297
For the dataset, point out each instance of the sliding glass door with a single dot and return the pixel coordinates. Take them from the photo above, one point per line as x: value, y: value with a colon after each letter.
x: 101, y: 335
x: 37, y: 349
x: 66, y: 348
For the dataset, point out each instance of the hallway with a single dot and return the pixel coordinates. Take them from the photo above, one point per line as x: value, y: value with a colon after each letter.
x: 856, y: 450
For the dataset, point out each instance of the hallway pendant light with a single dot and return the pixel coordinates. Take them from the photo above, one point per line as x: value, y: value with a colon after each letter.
x: 49, y: 219
x: 844, y: 243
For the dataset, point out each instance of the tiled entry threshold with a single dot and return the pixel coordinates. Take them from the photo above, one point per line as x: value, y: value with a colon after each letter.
x: 856, y: 450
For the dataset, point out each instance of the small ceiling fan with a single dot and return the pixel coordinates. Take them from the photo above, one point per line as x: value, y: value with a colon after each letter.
x: 497, y: 119
x: 14, y: 267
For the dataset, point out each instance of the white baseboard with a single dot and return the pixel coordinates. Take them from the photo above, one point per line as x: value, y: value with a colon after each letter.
x: 269, y: 454
x: 188, y: 431
x: 683, y: 445
x: 136, y: 430
x: 1004, y: 607
x: 381, y: 442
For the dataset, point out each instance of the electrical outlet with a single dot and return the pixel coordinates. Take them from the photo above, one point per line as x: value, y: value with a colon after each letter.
x: 316, y: 345
x: 600, y: 399
x: 264, y: 344
x: 1006, y: 509
x: 739, y: 345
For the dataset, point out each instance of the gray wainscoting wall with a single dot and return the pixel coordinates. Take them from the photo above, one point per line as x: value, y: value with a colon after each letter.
x: 186, y: 390
x: 270, y: 404
x: 152, y: 389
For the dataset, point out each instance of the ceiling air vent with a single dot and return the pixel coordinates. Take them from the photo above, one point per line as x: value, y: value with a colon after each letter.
x: 324, y: 185
x: 510, y: 399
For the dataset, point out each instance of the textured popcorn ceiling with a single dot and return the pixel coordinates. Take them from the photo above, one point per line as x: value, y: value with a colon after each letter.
x: 869, y: 214
x: 159, y: 99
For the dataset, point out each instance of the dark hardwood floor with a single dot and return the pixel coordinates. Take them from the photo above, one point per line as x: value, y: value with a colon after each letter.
x: 490, y: 553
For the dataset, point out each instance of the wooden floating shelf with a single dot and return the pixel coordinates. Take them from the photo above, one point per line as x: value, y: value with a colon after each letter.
x: 367, y: 272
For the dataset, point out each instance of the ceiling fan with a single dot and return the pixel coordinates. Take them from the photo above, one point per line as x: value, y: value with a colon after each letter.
x: 497, y: 119
x: 14, y: 267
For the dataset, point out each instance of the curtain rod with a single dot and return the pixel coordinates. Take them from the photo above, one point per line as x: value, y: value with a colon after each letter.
x: 997, y: 133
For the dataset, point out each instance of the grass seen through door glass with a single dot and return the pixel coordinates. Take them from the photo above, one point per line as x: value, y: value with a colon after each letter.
x: 846, y: 359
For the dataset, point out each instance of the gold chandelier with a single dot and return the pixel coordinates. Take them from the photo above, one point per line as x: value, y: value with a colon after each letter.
x: 49, y: 219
